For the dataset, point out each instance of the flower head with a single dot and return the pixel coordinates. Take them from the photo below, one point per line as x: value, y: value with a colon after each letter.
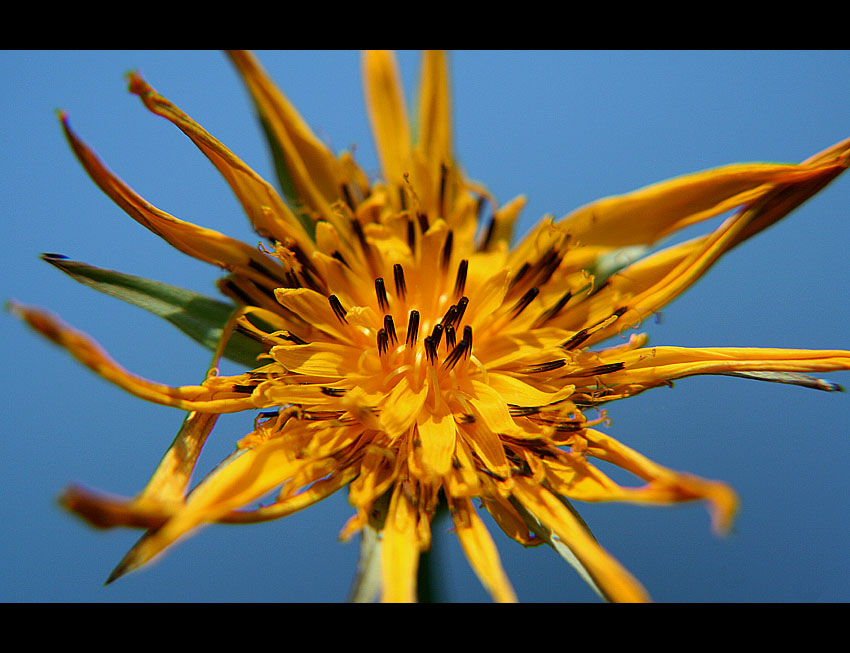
x: 412, y: 355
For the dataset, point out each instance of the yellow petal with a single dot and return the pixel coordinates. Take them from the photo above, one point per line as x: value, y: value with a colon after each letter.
x: 85, y: 350
x: 437, y: 435
x: 204, y: 244
x: 269, y: 215
x: 387, y: 113
x: 615, y: 582
x: 313, y: 168
x: 481, y: 552
x: 399, y: 551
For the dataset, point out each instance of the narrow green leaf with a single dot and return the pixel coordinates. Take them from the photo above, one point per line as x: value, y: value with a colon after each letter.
x: 201, y: 318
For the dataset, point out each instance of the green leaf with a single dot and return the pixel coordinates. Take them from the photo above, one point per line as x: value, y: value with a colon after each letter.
x: 199, y: 317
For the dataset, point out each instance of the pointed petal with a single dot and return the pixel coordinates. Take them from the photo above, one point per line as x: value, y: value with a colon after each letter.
x: 648, y: 214
x: 651, y: 367
x: 267, y: 212
x: 617, y: 584
x: 481, y: 551
x: 204, y: 244
x: 311, y: 168
x: 387, y: 113
x: 92, y: 356
x: 400, y: 551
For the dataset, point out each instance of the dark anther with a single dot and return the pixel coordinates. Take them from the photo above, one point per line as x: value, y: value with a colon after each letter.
x: 332, y: 392
x: 288, y: 335
x: 450, y: 337
x: 430, y: 349
x: 447, y: 251
x: 340, y: 258
x: 488, y: 235
x: 389, y: 327
x: 604, y: 369
x: 381, y: 292
x: 524, y: 301
x: 519, y: 275
x: 546, y: 367
x: 444, y: 173
x: 456, y: 354
x: 338, y: 310
x: 411, y: 235
x: 423, y: 221
x: 575, y: 340
x: 460, y: 282
x: 461, y: 309
x: 620, y: 311
x: 346, y: 195
x: 361, y: 237
x: 556, y: 308
x: 437, y: 335
x: 383, y: 341
x: 467, y: 337
x: 522, y: 411
x: 400, y: 285
x: 412, y: 328
x: 247, y: 389
x: 450, y: 316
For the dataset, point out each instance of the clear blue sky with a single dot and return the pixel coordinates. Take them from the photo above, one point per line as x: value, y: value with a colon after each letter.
x: 563, y: 128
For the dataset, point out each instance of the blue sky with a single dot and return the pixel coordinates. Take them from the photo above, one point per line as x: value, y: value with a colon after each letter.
x: 564, y: 128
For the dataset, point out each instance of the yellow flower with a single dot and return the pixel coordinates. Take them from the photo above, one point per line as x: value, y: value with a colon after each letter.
x: 414, y: 356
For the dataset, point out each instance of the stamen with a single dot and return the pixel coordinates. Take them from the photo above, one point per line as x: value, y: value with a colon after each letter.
x: 461, y: 309
x: 437, y: 335
x: 381, y: 292
x: 460, y: 283
x: 519, y: 275
x: 604, y: 369
x: 450, y: 337
x: 288, y: 335
x: 430, y: 349
x: 346, y: 195
x: 361, y: 237
x: 457, y: 353
x: 247, y: 389
x: 412, y: 328
x: 546, y: 367
x: 389, y: 327
x: 332, y: 392
x: 423, y: 221
x: 575, y: 340
x: 447, y: 251
x: 450, y: 316
x: 383, y: 342
x: 444, y: 173
x: 554, y: 310
x: 338, y: 310
x: 467, y: 337
x: 411, y: 235
x: 524, y: 301
x: 400, y: 285
x: 340, y: 258
x: 488, y: 235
